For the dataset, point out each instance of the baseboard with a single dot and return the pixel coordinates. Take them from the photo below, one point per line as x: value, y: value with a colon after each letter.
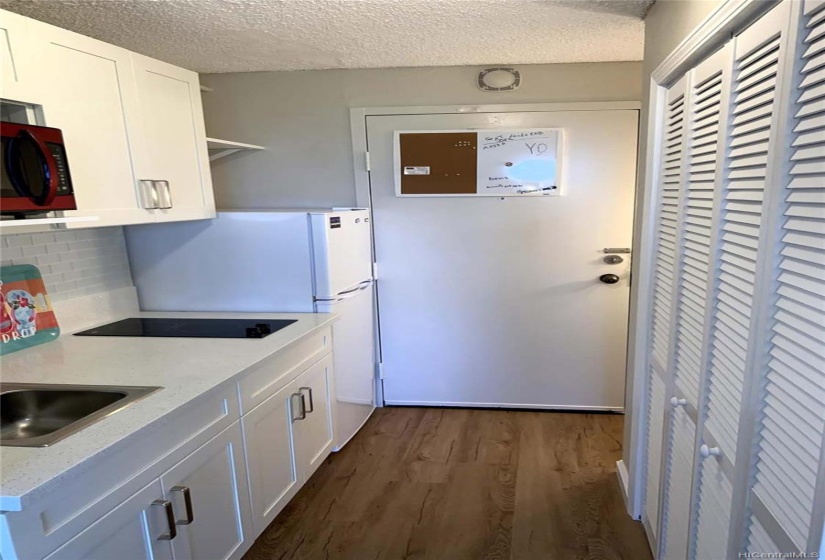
x: 456, y: 404
x: 621, y: 473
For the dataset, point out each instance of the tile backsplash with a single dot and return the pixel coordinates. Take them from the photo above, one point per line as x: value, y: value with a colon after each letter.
x: 74, y: 263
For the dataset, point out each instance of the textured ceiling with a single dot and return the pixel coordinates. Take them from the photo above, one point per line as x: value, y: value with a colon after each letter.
x: 259, y: 35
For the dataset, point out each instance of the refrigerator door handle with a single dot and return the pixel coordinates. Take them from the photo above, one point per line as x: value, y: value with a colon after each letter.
x: 348, y: 293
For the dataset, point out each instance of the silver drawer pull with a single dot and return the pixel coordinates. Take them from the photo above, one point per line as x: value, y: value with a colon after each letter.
x: 302, y: 414
x: 164, y: 195
x: 148, y: 194
x: 311, y: 404
x: 187, y: 500
x: 170, y: 519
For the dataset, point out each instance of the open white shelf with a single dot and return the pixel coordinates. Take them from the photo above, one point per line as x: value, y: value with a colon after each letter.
x: 221, y: 148
x: 22, y: 226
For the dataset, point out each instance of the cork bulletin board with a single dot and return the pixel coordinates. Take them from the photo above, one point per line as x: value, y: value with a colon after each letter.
x: 478, y: 163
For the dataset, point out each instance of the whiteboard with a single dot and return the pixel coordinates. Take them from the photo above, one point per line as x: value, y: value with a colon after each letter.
x: 508, y: 162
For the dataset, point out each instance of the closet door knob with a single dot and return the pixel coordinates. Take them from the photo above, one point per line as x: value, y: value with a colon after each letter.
x: 677, y: 402
x: 706, y: 451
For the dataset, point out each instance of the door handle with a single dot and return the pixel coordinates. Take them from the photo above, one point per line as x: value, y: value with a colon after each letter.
x: 303, y: 411
x: 187, y: 500
x: 706, y: 451
x: 311, y: 404
x: 608, y: 278
x: 170, y: 519
x: 674, y: 402
x: 616, y: 250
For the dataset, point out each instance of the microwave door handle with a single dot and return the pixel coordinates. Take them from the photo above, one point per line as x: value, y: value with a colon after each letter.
x: 17, y: 176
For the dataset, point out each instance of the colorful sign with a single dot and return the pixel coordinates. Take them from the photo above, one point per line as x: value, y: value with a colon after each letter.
x: 26, y: 316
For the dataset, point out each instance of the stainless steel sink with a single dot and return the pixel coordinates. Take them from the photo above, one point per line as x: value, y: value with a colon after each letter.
x: 38, y: 415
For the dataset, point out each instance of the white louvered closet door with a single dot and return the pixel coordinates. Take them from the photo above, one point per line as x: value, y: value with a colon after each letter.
x: 787, y: 498
x: 691, y: 210
x: 721, y: 383
x: 737, y: 350
x: 663, y: 292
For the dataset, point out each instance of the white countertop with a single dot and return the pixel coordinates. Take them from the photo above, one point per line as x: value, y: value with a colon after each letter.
x: 185, y: 367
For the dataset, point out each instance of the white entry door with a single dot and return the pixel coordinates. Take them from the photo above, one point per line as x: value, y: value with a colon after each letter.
x: 497, y: 302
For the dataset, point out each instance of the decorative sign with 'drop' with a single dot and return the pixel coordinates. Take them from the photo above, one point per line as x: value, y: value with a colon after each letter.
x: 494, y: 162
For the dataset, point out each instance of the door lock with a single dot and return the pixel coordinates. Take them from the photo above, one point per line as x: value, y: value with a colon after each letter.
x: 613, y: 259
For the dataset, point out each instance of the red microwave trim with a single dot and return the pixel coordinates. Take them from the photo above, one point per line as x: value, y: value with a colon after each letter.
x: 44, y: 133
x: 22, y: 204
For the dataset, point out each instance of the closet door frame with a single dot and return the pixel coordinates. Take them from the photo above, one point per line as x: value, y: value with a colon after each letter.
x: 718, y: 28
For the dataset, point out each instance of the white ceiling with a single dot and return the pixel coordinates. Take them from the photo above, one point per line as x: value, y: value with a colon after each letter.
x: 260, y: 35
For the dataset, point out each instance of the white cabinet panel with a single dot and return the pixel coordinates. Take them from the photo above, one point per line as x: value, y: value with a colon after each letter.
x: 313, y: 435
x: 89, y: 94
x: 270, y: 457
x: 216, y: 480
x: 135, y: 529
x: 173, y: 138
x: 18, y: 59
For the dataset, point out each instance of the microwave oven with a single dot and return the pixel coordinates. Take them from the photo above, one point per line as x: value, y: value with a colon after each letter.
x: 34, y: 171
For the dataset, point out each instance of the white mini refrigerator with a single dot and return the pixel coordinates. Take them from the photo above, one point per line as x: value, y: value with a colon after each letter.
x: 273, y: 261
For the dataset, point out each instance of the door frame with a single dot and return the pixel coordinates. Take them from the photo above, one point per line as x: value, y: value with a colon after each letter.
x: 363, y: 194
x: 724, y: 22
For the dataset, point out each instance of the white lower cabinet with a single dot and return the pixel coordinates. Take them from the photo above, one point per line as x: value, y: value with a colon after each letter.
x: 196, y: 510
x: 270, y: 457
x: 206, y: 485
x: 287, y: 437
x: 134, y: 530
x: 313, y: 433
x: 210, y: 500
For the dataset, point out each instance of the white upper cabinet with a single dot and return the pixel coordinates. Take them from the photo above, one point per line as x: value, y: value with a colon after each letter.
x: 133, y: 126
x: 88, y: 92
x: 173, y: 148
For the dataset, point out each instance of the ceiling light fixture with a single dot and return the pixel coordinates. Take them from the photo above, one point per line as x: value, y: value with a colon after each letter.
x: 499, y: 79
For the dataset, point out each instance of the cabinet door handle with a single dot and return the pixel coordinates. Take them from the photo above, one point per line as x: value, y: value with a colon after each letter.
x: 170, y: 519
x: 165, y: 196
x: 311, y: 404
x: 148, y: 194
x: 303, y: 411
x: 706, y: 451
x: 674, y: 402
x: 187, y: 500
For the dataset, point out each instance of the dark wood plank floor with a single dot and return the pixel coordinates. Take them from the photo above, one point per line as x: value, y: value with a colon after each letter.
x: 456, y: 484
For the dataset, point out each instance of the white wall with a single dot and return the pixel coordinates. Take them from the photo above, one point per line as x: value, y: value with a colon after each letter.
x: 74, y: 263
x: 303, y: 120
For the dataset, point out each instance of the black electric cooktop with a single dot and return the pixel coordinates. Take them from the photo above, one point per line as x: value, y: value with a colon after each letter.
x: 191, y: 328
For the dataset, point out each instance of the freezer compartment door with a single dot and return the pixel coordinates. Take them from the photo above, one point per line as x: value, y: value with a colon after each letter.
x: 353, y: 350
x: 342, y: 251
